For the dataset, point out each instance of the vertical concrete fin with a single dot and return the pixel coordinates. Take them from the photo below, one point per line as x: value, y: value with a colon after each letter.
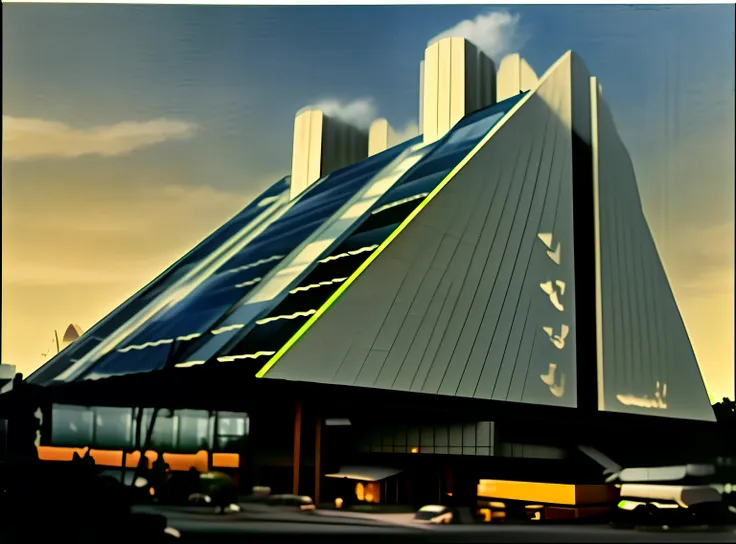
x: 458, y: 79
x: 378, y: 137
x: 322, y: 144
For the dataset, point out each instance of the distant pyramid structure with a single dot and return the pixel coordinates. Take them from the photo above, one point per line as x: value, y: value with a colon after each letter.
x: 73, y: 331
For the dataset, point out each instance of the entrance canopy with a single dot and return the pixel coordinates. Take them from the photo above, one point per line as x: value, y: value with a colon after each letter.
x: 365, y: 474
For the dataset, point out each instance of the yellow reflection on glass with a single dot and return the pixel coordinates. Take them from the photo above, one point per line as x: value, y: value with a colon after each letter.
x: 659, y: 401
x: 557, y: 339
x: 549, y: 288
x: 546, y: 238
x: 557, y: 389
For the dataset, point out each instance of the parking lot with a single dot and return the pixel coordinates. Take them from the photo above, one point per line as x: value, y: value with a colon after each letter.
x: 261, y: 523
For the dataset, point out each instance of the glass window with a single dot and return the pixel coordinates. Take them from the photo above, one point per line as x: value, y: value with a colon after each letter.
x: 441, y: 439
x: 387, y: 440
x: 164, y: 436
x: 113, y: 428
x: 72, y: 426
x: 474, y: 131
x: 483, y: 433
x: 230, y: 444
x: 231, y: 424
x: 456, y: 435
x: 195, y: 432
x: 412, y: 438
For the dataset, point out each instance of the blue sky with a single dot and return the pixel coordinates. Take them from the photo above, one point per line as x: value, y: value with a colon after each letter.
x: 228, y: 81
x: 240, y: 73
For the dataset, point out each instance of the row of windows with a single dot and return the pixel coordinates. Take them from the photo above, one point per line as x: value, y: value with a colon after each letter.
x: 180, y: 431
x: 478, y: 439
x: 457, y: 439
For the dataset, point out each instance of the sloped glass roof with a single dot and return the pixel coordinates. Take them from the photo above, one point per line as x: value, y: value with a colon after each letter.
x: 92, y: 338
x: 272, y: 329
x: 266, y: 286
x: 194, y: 318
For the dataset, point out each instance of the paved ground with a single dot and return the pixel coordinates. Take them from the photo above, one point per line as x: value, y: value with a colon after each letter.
x: 399, y: 520
x: 264, y: 524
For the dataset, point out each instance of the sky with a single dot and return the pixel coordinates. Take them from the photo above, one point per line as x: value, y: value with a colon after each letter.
x: 132, y: 132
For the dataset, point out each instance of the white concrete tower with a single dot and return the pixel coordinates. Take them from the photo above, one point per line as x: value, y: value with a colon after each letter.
x: 380, y: 137
x: 514, y: 77
x: 421, y: 94
x: 322, y: 145
x: 457, y: 79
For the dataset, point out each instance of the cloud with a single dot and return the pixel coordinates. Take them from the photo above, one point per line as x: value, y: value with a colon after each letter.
x: 27, y: 138
x: 496, y: 33
x: 359, y: 113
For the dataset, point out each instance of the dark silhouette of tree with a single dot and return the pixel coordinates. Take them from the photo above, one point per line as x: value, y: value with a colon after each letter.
x: 22, y: 421
x: 725, y: 412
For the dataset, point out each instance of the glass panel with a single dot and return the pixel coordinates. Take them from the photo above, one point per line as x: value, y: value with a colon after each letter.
x: 474, y: 131
x: 456, y: 435
x: 376, y: 437
x: 441, y: 436
x: 412, y: 438
x: 410, y: 188
x: 194, y: 431
x: 71, y: 426
x: 113, y: 428
x: 164, y: 436
x: 387, y: 440
x: 400, y: 436
x: 231, y: 424
x: 427, y: 437
x: 483, y: 433
x: 469, y: 435
x: 230, y: 444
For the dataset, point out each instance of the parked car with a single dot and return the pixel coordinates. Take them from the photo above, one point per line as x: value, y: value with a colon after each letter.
x: 301, y: 501
x: 435, y: 514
